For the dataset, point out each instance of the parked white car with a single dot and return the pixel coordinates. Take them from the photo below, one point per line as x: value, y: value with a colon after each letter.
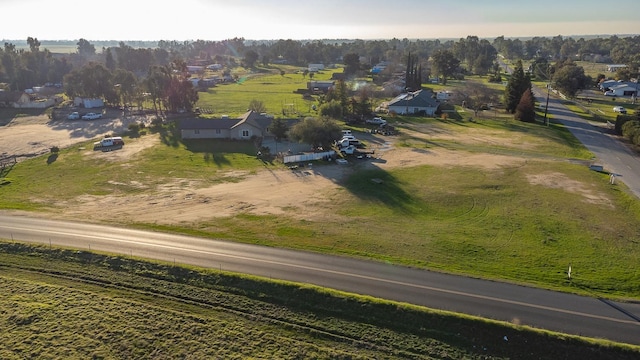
x: 376, y: 121
x: 74, y: 116
x: 619, y: 109
x: 91, y: 116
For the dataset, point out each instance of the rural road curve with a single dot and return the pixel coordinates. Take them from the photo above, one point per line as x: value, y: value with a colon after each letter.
x: 527, y: 306
x: 613, y: 155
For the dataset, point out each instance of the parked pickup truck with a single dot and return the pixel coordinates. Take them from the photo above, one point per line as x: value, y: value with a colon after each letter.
x: 91, y: 116
x: 352, y: 150
x: 108, y: 144
x: 376, y: 121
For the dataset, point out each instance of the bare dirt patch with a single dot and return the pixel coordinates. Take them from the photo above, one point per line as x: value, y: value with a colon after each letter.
x: 32, y: 136
x: 561, y: 181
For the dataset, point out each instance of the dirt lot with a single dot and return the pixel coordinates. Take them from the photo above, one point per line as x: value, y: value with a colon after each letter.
x: 297, y: 193
x: 31, y: 136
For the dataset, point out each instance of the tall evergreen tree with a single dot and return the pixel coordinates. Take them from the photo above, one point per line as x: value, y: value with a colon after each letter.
x: 413, y: 75
x: 517, y: 85
x: 525, y: 111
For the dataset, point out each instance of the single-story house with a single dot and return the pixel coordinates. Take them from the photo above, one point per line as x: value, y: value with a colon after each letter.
x: 8, y: 99
x: 26, y: 100
x: 623, y: 89
x: 416, y: 102
x: 250, y: 124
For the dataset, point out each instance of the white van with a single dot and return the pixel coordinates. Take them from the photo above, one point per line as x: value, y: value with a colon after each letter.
x: 346, y: 132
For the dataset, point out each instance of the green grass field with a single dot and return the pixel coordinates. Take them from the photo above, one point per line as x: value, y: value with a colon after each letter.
x: 79, y: 305
x: 277, y: 92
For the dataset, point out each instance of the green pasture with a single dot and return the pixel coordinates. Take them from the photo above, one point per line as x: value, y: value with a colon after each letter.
x: 277, y: 92
x: 77, y: 305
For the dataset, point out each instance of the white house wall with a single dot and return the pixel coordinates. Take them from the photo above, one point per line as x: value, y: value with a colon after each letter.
x: 204, y: 134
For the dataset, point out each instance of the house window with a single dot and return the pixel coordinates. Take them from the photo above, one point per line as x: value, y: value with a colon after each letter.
x: 218, y: 131
x: 245, y: 133
x: 196, y: 131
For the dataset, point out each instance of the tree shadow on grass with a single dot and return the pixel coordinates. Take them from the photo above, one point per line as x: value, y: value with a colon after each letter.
x: 169, y: 134
x: 381, y: 187
x: 218, y: 159
x: 52, y: 158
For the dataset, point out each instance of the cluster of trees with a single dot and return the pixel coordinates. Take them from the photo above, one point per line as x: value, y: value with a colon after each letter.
x: 613, y: 49
x: 22, y: 69
x: 341, y: 102
x: 166, y: 86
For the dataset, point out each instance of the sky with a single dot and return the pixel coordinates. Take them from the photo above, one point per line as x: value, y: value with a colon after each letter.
x: 321, y: 19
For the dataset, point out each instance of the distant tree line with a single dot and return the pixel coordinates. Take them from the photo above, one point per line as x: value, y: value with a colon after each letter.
x: 122, y: 73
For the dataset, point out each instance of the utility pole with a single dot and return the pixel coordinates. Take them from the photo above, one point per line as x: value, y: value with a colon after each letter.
x: 546, y: 106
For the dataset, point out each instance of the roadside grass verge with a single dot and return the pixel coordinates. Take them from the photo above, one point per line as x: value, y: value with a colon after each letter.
x: 77, y: 304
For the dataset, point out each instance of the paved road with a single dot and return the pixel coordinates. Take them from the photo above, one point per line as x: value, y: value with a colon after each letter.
x: 534, y: 307
x: 613, y: 155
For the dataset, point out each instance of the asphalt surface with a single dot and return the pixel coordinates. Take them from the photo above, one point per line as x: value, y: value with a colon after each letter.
x: 562, y: 312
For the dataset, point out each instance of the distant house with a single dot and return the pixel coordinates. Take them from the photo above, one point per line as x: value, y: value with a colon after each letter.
x: 338, y: 76
x: 195, y: 69
x: 215, y: 67
x: 315, y: 67
x: 623, y: 89
x: 250, y: 124
x: 615, y: 67
x: 380, y: 67
x: 88, y: 103
x: 320, y: 86
x: 417, y: 102
x: 9, y: 98
x: 26, y: 100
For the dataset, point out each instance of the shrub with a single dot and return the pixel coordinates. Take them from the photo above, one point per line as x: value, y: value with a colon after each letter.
x: 134, y: 127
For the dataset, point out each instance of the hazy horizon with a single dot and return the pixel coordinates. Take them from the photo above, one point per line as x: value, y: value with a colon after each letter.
x: 214, y: 20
